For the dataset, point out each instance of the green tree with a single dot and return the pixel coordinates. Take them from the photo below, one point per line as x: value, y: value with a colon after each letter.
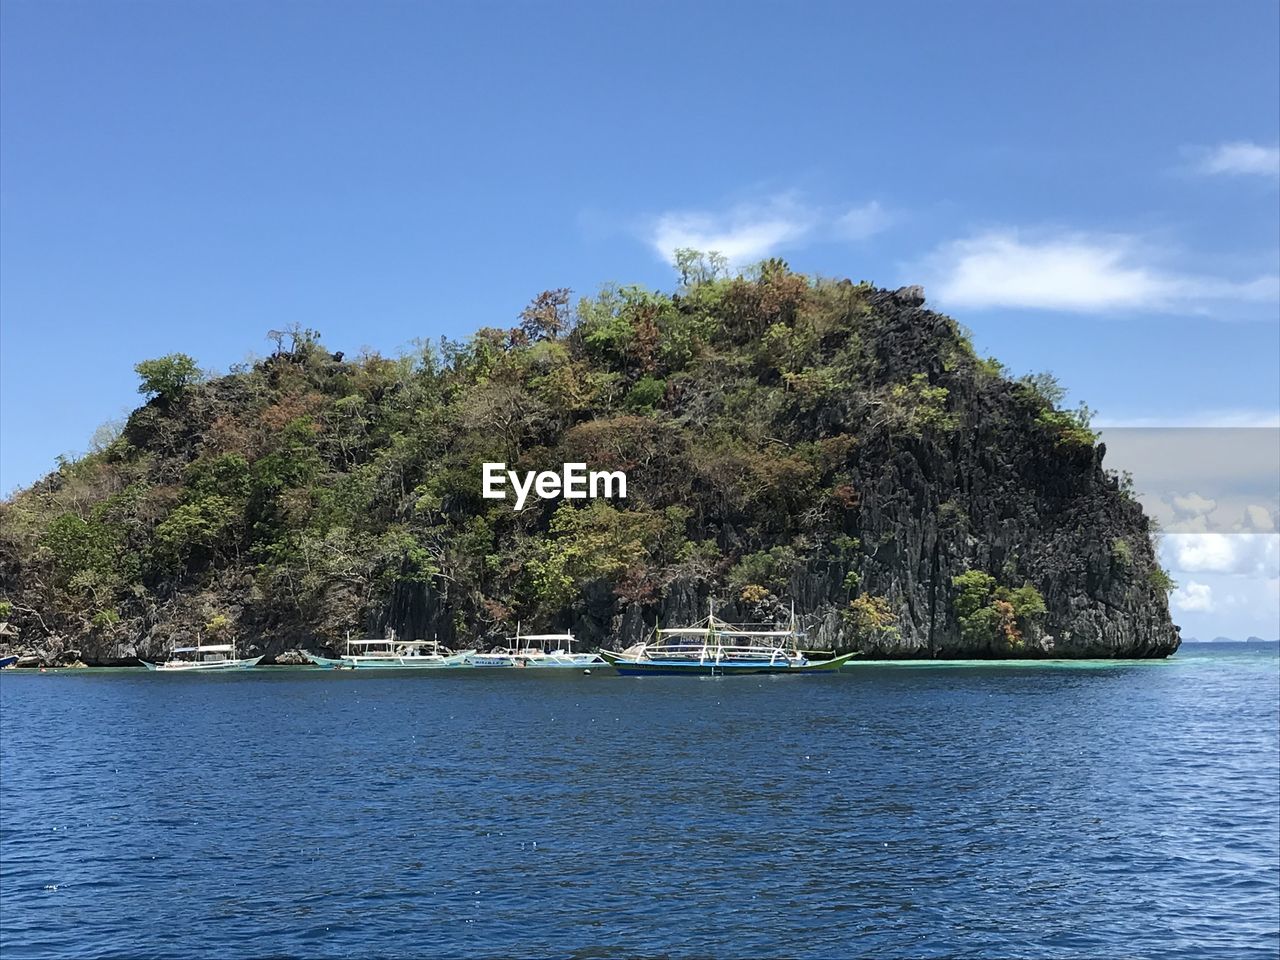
x: 696, y: 268
x: 168, y: 376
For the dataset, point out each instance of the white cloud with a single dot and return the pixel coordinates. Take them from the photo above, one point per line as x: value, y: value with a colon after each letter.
x: 1258, y: 517
x: 1193, y: 597
x: 1238, y: 554
x: 1075, y: 272
x: 1196, y: 479
x: 1240, y: 607
x: 859, y: 223
x: 1239, y: 158
x: 752, y: 231
x: 1193, y: 504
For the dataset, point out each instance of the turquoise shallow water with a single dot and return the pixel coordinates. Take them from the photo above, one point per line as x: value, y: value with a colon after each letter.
x: 971, y: 810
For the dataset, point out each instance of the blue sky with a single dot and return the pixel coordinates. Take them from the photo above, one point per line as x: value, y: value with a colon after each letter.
x: 1091, y: 188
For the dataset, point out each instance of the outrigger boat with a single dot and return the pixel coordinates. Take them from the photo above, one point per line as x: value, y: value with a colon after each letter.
x: 389, y: 653
x: 214, y: 656
x: 713, y: 647
x: 536, y: 650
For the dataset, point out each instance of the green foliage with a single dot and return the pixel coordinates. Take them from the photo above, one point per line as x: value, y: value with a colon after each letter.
x: 697, y: 268
x: 303, y: 342
x: 168, y: 376
x: 105, y: 619
x: 646, y: 393
x: 1123, y: 480
x: 592, y: 543
x: 226, y: 475
x: 195, y: 529
x: 1045, y: 387
x: 770, y: 568
x: 1160, y: 579
x: 87, y: 553
x: 872, y: 618
x: 6, y: 610
x: 1069, y: 428
x: 1121, y: 554
x: 219, y: 626
x: 990, y: 615
x: 916, y: 406
x: 1028, y: 603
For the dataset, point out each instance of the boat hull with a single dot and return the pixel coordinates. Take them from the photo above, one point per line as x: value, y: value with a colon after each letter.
x: 638, y: 668
x: 389, y: 663
x: 570, y: 662
x: 505, y: 661
x: 219, y: 666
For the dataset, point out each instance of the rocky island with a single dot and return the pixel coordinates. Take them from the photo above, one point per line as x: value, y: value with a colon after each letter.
x: 786, y: 439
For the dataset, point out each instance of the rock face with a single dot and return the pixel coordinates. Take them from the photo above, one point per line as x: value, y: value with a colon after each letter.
x: 822, y: 444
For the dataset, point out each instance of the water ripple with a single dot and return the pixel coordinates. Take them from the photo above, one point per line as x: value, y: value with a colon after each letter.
x: 1043, y: 810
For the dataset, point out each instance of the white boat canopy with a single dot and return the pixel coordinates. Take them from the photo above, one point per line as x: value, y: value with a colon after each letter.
x: 367, y: 642
x: 729, y: 632
x: 215, y: 648
x: 544, y: 636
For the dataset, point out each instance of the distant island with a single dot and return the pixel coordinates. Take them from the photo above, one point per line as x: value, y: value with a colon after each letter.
x: 787, y: 440
x: 1250, y: 640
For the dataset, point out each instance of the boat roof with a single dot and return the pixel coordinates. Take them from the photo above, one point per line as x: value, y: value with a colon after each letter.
x: 729, y: 631
x: 544, y: 636
x: 212, y: 648
x: 369, y: 641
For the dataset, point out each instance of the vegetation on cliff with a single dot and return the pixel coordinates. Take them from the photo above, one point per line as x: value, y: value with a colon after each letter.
x: 784, y: 437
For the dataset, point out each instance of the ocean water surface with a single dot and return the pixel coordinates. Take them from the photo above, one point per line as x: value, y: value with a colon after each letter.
x: 968, y: 810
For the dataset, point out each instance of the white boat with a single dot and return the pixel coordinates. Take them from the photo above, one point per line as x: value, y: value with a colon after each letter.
x: 539, y: 650
x: 713, y: 647
x: 213, y: 656
x: 389, y: 653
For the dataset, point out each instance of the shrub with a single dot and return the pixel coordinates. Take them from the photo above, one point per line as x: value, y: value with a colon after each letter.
x: 916, y: 406
x: 219, y: 625
x: 771, y: 568
x: 872, y: 618
x: 1160, y: 579
x: 1069, y: 428
x: 646, y: 394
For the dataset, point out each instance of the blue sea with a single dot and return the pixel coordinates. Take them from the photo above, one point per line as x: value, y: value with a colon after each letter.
x: 1123, y: 809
